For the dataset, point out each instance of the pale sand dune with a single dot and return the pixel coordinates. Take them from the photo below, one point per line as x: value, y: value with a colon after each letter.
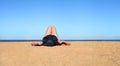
x: 78, y: 54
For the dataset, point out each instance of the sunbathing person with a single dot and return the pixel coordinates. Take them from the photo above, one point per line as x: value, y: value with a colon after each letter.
x: 50, y: 39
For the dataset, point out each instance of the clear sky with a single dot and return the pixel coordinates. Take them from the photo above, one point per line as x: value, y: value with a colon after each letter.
x: 74, y: 19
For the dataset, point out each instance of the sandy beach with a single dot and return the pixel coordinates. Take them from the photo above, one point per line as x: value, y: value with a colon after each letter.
x: 78, y: 54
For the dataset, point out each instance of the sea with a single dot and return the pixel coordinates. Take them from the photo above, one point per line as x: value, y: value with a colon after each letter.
x: 64, y: 40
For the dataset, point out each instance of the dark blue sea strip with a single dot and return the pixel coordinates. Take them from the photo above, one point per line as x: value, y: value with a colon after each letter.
x: 65, y: 40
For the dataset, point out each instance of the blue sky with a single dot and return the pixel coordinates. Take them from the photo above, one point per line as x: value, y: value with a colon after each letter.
x: 74, y: 19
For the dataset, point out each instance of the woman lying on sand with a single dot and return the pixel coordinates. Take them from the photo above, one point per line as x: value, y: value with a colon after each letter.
x: 50, y: 39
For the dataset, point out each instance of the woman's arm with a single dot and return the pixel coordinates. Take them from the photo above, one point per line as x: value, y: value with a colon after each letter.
x: 63, y: 42
x: 37, y: 44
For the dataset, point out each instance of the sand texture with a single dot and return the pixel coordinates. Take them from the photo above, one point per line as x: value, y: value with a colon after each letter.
x: 78, y: 54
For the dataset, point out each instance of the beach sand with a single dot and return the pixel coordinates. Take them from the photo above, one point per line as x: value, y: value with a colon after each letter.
x: 78, y: 54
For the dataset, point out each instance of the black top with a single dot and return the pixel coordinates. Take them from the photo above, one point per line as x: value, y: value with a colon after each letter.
x: 50, y: 40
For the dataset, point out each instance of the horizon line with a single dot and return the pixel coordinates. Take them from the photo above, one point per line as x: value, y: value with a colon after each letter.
x: 64, y: 40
